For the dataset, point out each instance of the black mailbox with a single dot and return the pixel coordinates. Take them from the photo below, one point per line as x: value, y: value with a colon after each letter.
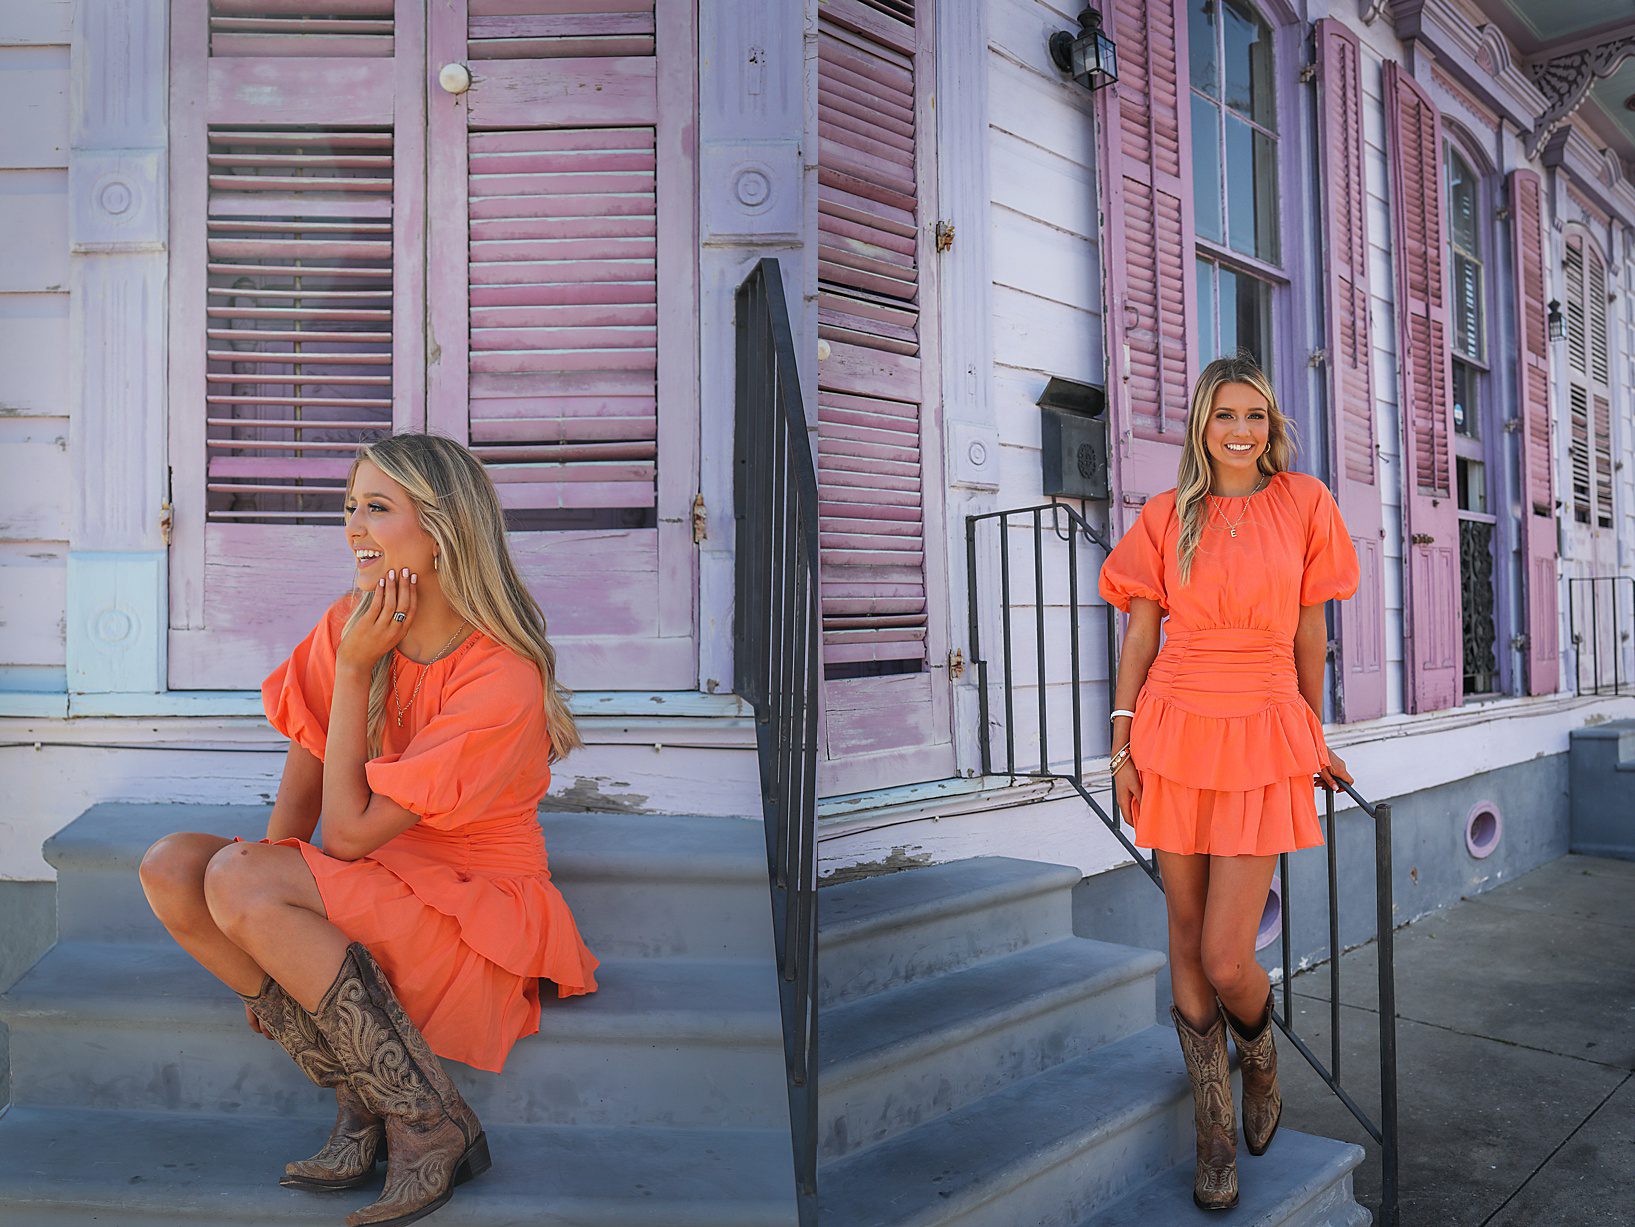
x: 1073, y: 439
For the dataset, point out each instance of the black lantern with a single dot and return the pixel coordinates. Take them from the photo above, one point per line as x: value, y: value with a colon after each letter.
x: 1091, y: 57
x: 1558, y: 326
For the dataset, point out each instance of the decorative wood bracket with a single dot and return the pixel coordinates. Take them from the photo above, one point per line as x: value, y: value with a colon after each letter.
x: 1565, y: 82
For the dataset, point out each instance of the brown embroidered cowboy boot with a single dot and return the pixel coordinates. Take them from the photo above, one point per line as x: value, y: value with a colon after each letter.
x: 1215, y: 1187
x: 434, y: 1138
x: 1257, y: 1056
x: 354, y: 1146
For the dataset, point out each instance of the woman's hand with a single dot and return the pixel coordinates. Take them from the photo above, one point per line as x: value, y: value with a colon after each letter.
x: 1336, y: 770
x: 379, y: 631
x: 1127, y: 788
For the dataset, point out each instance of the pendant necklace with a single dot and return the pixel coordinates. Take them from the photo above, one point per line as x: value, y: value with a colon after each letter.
x: 425, y: 669
x: 1232, y: 525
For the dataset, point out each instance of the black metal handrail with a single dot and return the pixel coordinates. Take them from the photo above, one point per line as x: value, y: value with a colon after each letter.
x: 1598, y: 608
x: 1062, y: 522
x: 777, y: 666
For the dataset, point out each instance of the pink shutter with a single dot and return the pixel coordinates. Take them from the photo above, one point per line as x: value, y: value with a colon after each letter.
x: 563, y: 307
x: 1354, y: 461
x: 1426, y: 403
x: 292, y: 195
x: 1595, y: 293
x: 1145, y: 147
x: 884, y: 691
x: 1533, y: 379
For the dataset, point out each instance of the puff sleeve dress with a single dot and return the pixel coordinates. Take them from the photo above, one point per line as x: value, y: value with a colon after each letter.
x: 1225, y: 745
x: 459, y: 910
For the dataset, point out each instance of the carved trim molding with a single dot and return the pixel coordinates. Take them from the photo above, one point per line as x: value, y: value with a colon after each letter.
x: 1565, y: 82
x: 1369, y: 11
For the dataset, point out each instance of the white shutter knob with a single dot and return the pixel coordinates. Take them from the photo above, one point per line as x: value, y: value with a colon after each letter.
x: 455, y: 78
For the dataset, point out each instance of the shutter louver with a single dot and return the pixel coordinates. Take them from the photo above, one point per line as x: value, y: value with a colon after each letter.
x: 1147, y: 219
x: 1603, y: 461
x: 1431, y: 555
x: 1354, y: 461
x: 872, y: 532
x: 1579, y: 450
x: 1533, y: 380
x: 301, y: 28
x: 299, y: 351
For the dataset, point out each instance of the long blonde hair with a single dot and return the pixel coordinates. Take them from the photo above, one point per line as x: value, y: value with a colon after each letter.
x: 1192, y: 480
x: 460, y: 508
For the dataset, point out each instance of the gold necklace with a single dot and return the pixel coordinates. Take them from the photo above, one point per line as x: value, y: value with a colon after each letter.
x: 1232, y: 525
x: 425, y: 669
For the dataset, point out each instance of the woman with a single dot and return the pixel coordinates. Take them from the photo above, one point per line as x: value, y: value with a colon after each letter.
x: 423, y: 714
x: 1218, y: 733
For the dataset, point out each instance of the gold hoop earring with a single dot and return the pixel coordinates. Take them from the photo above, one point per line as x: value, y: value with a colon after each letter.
x: 434, y: 562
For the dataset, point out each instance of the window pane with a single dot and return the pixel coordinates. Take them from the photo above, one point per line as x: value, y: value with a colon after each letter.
x: 1472, y: 482
x: 1206, y: 168
x: 1201, y: 46
x: 1465, y: 417
x: 1254, y: 318
x: 1249, y: 67
x: 1467, y: 306
x: 1251, y: 190
x: 1207, y: 347
x: 1228, y: 281
x: 1462, y: 205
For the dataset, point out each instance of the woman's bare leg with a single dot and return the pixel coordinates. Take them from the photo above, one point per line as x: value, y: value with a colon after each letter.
x: 1236, y: 900
x: 1186, y: 884
x: 263, y: 897
x: 172, y: 875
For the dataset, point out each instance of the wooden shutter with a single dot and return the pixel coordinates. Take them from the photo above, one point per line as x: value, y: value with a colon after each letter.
x: 1433, y: 619
x: 1354, y: 457
x: 1538, y: 513
x: 563, y: 306
x: 1148, y: 237
x: 877, y: 509
x: 293, y: 203
x: 1589, y: 450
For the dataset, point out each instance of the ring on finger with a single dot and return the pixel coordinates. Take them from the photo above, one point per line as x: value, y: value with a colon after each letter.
x: 399, y: 616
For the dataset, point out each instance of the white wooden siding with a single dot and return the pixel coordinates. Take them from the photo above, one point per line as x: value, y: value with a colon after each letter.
x: 34, y: 359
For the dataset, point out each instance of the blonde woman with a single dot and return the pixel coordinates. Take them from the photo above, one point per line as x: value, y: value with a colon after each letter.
x: 423, y: 715
x: 1217, y: 733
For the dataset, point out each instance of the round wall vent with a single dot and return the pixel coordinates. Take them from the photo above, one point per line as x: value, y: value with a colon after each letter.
x: 1483, y: 829
x: 1271, y: 916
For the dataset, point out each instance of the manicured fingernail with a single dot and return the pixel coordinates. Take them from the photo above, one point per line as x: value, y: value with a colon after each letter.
x: 382, y: 583
x: 392, y: 574
x: 413, y: 578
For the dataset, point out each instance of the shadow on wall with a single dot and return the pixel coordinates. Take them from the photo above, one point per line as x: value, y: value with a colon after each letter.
x: 28, y: 928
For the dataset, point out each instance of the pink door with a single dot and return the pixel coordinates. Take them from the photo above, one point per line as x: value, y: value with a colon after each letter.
x: 331, y: 202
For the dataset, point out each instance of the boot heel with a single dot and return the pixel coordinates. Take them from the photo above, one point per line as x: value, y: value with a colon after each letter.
x: 474, y: 1162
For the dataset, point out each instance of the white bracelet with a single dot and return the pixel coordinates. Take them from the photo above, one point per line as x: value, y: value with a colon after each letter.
x: 1123, y: 711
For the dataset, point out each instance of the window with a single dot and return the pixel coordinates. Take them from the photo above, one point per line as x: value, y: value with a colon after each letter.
x: 1234, y: 176
x: 1589, y: 396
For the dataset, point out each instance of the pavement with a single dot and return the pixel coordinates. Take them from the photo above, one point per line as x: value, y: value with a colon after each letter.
x: 1516, y: 1054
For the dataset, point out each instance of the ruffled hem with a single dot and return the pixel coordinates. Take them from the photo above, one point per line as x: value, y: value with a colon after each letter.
x: 288, y: 713
x: 1174, y: 817
x: 1119, y: 592
x: 1226, y: 753
x: 520, y: 924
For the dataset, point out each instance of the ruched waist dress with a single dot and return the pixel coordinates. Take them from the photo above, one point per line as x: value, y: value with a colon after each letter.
x: 1224, y: 744
x: 459, y: 910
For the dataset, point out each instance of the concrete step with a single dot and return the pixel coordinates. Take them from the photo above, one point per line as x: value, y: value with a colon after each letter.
x: 894, y: 1060
x: 666, y: 1042
x: 881, y: 932
x: 1047, y: 1151
x: 1301, y: 1181
x: 157, y: 1170
x: 640, y: 885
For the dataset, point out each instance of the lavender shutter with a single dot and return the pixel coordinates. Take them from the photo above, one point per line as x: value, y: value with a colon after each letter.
x: 1144, y: 141
x: 293, y: 193
x: 885, y: 692
x: 1431, y: 511
x: 1533, y: 379
x: 562, y: 297
x: 1354, y: 461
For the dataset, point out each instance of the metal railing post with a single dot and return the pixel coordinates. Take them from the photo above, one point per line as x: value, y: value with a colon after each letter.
x: 1385, y: 911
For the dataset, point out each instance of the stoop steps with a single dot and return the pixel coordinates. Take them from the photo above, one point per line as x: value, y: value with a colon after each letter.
x: 140, y: 1096
x: 982, y: 1066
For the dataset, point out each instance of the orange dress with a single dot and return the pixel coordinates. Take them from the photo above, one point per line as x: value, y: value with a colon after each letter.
x: 1225, y: 746
x: 459, y: 910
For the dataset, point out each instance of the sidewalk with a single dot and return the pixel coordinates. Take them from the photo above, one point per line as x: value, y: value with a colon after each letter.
x: 1516, y: 1046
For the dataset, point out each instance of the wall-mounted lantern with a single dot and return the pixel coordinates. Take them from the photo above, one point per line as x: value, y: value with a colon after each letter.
x: 1073, y: 439
x: 1558, y: 326
x: 1090, y: 56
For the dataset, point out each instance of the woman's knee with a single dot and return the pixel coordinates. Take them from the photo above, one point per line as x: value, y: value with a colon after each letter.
x: 172, y: 873
x: 233, y: 890
x: 1226, y: 964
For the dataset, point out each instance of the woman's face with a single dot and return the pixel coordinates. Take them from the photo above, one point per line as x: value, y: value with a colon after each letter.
x: 383, y: 528
x: 1239, y: 428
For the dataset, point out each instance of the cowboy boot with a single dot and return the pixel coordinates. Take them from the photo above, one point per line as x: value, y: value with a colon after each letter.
x: 354, y: 1146
x: 434, y: 1138
x: 1257, y: 1057
x: 1215, y: 1186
